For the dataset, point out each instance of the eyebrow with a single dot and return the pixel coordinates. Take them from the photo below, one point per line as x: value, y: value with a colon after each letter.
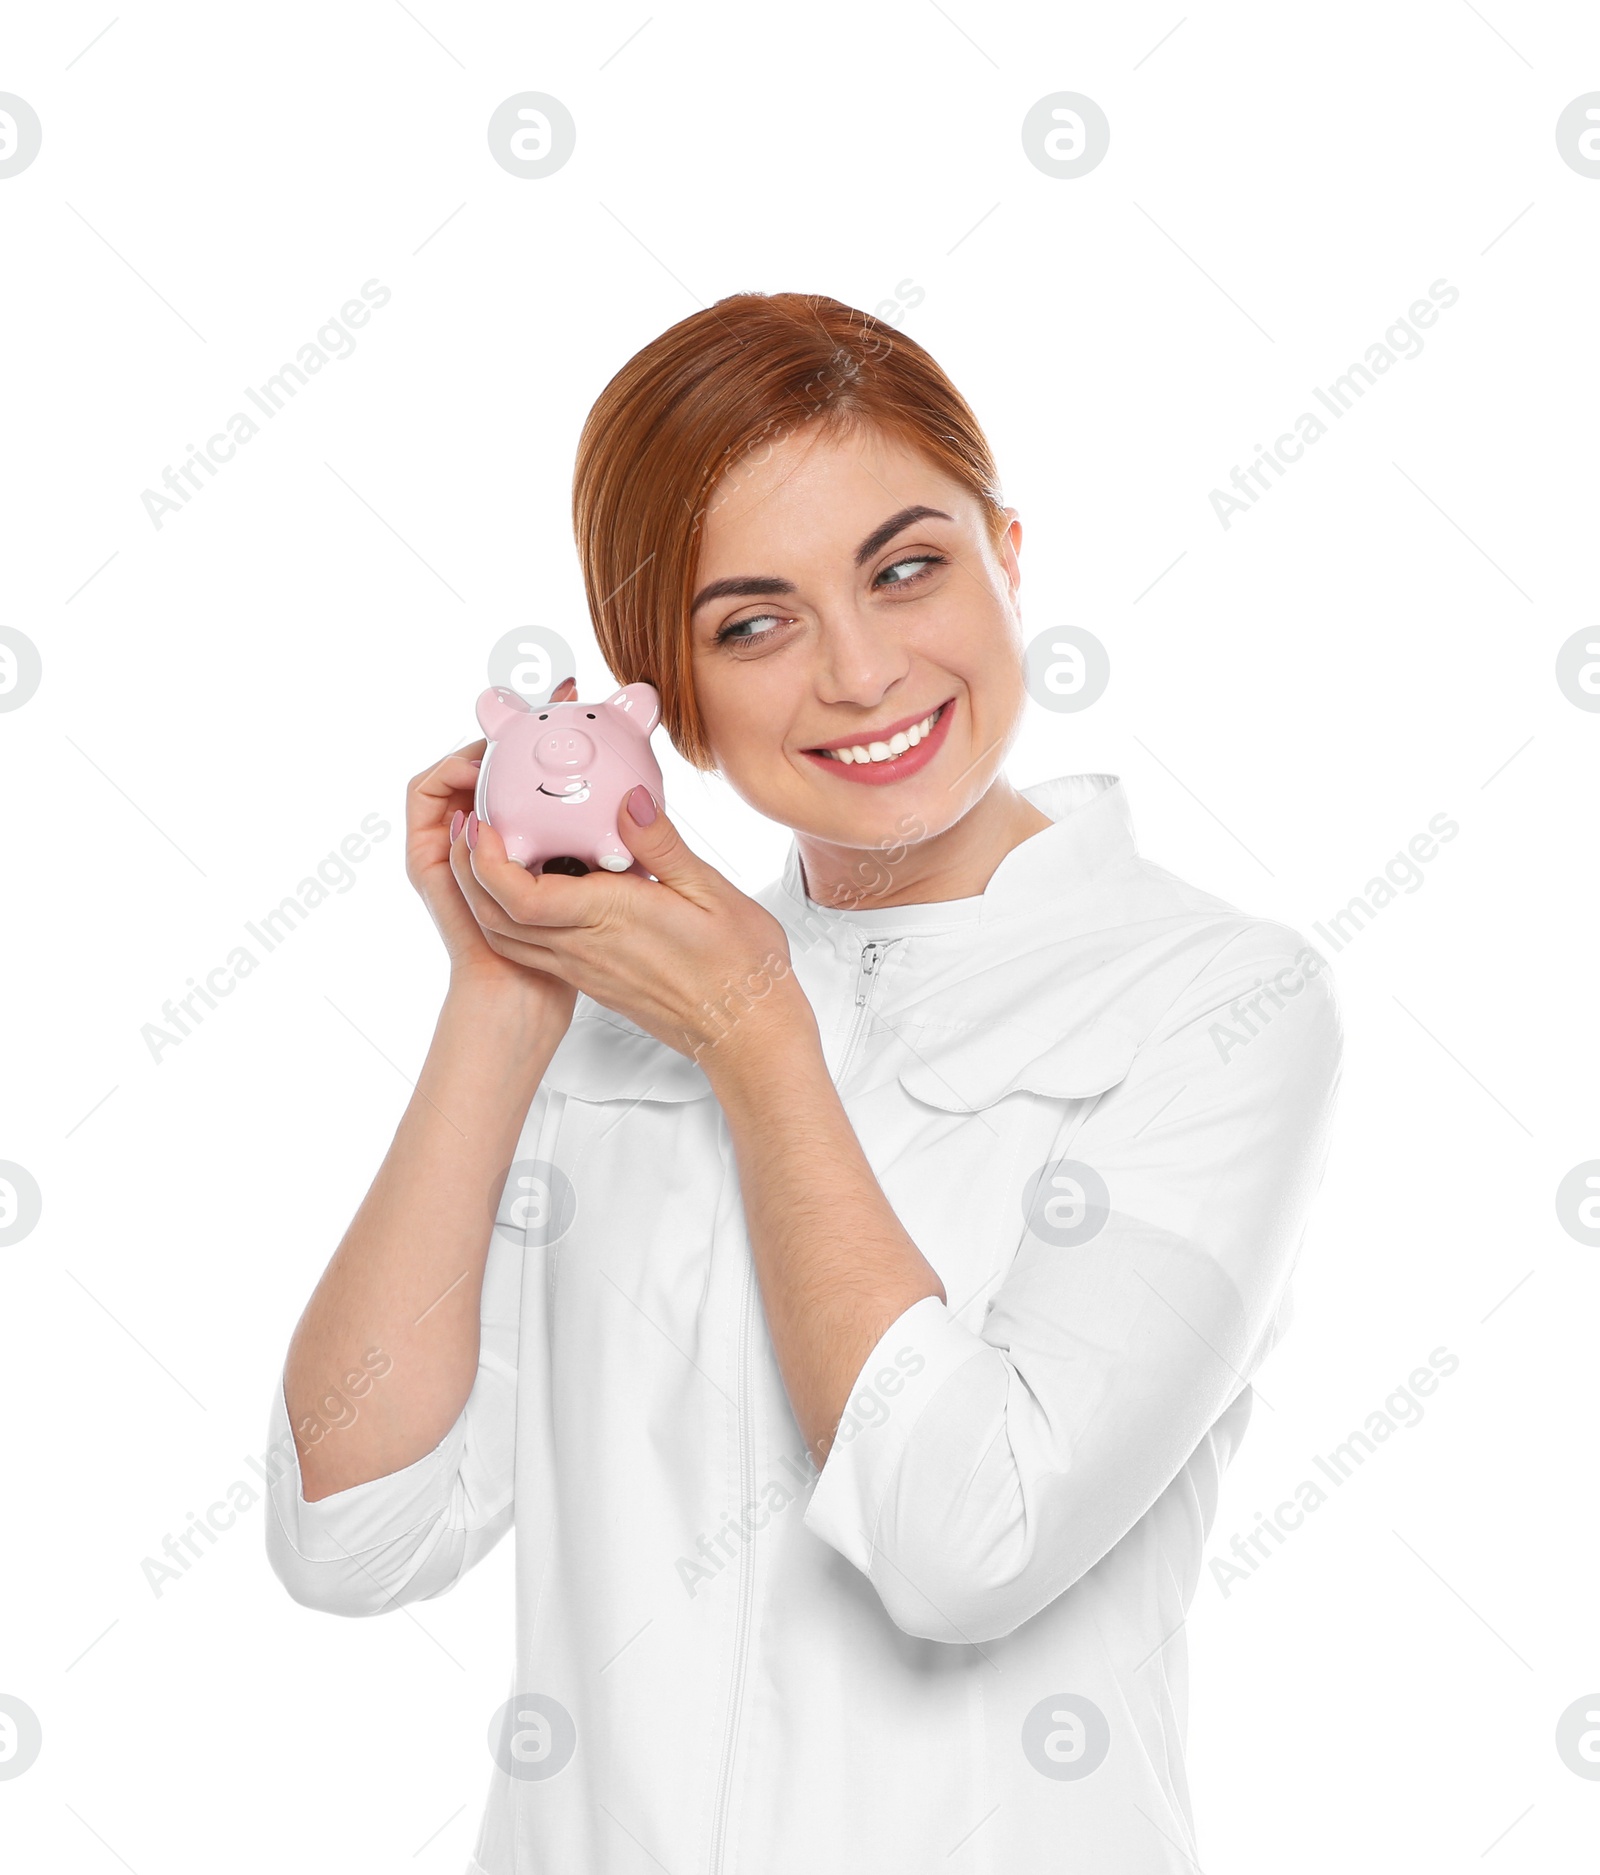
x: 769, y: 586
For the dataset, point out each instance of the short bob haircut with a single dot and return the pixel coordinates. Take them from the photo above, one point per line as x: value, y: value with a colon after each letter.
x: 712, y: 396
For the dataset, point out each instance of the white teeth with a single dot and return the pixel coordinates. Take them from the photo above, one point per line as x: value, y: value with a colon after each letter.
x: 897, y: 744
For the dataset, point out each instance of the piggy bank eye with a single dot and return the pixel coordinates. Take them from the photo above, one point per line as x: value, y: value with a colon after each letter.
x: 543, y: 714
x: 589, y: 714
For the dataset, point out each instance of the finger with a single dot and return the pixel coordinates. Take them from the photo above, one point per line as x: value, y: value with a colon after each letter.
x: 660, y: 848
x: 455, y: 774
x: 533, y: 956
x: 487, y: 910
x: 514, y: 943
x: 512, y: 897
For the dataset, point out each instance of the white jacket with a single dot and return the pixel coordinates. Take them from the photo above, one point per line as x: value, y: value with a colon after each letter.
x: 959, y: 1647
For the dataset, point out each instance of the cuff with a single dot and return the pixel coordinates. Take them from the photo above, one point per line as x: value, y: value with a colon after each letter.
x: 914, y: 1357
x: 363, y: 1516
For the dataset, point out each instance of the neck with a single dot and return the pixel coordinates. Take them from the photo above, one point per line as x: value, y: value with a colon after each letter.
x: 958, y: 863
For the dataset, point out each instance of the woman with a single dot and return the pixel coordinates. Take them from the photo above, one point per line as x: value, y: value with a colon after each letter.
x: 871, y: 1301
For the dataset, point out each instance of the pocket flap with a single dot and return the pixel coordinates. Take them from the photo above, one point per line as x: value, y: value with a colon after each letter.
x: 964, y: 1069
x: 602, y: 1056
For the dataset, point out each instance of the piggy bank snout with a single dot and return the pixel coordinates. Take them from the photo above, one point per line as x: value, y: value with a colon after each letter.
x: 564, y: 751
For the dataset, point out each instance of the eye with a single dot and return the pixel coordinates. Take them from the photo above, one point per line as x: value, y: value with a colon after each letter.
x: 927, y: 561
x: 735, y: 629
x: 737, y: 632
x: 589, y: 714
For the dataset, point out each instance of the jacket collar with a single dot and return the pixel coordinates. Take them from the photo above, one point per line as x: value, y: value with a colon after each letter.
x: 1029, y: 982
x: 1092, y: 829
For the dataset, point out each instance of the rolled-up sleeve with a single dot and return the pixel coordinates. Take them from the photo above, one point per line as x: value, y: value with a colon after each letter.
x: 415, y: 1532
x: 977, y: 1474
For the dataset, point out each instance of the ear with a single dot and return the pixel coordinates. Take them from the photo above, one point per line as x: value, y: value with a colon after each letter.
x: 640, y: 703
x: 497, y: 709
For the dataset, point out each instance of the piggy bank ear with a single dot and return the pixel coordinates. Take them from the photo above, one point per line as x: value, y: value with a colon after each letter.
x: 566, y: 691
x: 497, y: 708
x: 640, y: 703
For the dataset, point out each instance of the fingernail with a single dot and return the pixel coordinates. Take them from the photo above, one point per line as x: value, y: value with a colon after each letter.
x: 641, y: 807
x: 472, y: 832
x: 457, y: 821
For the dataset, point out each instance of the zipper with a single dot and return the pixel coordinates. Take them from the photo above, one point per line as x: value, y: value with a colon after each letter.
x: 741, y: 1638
x: 872, y: 955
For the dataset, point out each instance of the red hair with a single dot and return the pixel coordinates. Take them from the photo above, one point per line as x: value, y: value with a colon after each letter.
x: 714, y: 393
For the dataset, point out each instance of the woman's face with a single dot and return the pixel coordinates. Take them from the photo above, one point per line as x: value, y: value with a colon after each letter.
x: 847, y: 591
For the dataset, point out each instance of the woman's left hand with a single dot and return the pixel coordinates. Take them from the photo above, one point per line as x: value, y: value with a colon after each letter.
x: 686, y: 955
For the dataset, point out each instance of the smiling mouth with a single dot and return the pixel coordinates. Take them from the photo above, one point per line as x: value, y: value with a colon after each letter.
x: 902, y: 741
x: 576, y: 791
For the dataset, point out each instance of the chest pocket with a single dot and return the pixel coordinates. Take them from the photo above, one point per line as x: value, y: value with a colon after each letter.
x: 968, y: 1067
x: 636, y: 1153
x: 604, y: 1057
x: 1005, y: 1100
x: 568, y: 1153
x: 638, y: 1138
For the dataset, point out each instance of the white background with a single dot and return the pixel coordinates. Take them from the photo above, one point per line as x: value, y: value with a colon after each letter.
x: 1292, y: 699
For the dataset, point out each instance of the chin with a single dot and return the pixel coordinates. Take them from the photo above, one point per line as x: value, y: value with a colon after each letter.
x: 902, y: 815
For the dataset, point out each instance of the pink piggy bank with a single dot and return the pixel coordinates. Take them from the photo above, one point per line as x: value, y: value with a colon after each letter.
x: 554, y: 776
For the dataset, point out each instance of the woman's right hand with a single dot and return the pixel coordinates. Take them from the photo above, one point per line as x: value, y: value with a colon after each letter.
x: 433, y: 799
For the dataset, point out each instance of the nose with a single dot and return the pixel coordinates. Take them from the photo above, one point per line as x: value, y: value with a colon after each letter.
x: 861, y: 662
x: 564, y: 751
